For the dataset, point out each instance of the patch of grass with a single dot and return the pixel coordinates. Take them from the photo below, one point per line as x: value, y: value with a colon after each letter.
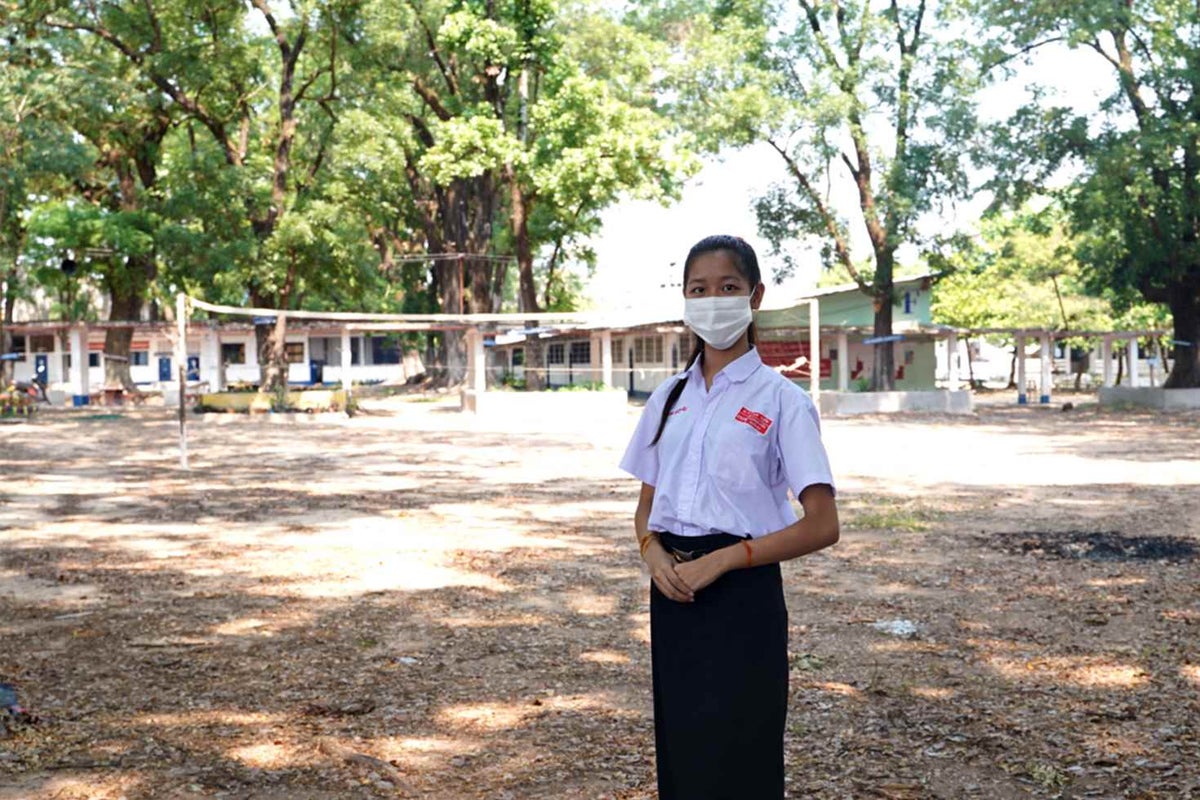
x: 807, y: 662
x: 890, y: 519
x: 885, y: 513
x: 1047, y: 776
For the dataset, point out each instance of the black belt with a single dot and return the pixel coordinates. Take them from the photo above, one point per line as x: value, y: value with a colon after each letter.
x: 707, y: 544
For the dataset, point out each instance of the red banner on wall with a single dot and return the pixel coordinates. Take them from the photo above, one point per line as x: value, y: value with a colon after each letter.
x: 785, y: 354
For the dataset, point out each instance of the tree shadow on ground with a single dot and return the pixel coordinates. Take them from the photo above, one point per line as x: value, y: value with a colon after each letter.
x: 242, y: 653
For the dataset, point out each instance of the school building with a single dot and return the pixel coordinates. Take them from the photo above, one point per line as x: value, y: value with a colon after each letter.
x: 645, y: 354
x: 70, y: 359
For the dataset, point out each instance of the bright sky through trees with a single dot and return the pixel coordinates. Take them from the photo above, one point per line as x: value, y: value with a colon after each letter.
x: 642, y: 238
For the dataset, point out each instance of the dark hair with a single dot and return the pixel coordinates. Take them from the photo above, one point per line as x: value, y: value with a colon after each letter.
x: 746, y: 262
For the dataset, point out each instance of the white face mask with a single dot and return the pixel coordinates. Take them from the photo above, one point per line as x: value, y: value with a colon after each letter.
x: 719, y: 321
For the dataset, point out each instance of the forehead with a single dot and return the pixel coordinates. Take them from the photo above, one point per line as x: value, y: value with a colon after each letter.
x: 715, y: 265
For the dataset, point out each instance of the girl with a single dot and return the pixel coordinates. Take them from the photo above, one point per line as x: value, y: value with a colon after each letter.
x: 717, y: 449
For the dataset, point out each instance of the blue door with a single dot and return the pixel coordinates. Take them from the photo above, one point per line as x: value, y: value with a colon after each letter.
x: 193, y: 368
x: 164, y: 368
x: 41, y: 368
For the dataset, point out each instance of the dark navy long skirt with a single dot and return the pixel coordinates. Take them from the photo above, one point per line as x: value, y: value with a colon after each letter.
x: 720, y: 678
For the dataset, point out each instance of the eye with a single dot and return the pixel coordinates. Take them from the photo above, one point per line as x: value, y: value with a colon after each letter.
x: 696, y: 290
x: 730, y: 287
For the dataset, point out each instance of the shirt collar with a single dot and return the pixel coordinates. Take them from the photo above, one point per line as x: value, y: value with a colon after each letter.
x: 735, y: 371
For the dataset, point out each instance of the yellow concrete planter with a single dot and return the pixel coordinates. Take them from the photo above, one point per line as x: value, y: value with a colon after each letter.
x: 253, y: 402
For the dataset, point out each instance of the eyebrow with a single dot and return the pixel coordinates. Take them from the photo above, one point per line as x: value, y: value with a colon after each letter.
x: 730, y: 276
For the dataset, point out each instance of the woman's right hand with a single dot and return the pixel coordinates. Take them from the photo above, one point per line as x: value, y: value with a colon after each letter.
x: 662, y: 572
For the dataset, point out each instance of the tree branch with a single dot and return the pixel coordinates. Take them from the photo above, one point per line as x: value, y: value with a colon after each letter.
x: 157, y: 44
x: 840, y: 244
x: 431, y: 99
x: 446, y: 70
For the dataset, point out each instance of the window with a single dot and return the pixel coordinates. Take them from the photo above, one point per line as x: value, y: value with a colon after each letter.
x: 556, y: 354
x: 139, y: 358
x: 42, y: 344
x: 833, y: 354
x: 93, y: 359
x: 618, y: 349
x: 518, y: 357
x: 385, y: 350
x: 648, y: 349
x: 233, y: 353
x: 18, y: 346
x: 581, y: 352
x: 294, y: 351
x: 909, y: 355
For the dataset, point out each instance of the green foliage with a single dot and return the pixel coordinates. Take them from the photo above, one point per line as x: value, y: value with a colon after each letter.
x: 1134, y: 207
x: 1022, y: 272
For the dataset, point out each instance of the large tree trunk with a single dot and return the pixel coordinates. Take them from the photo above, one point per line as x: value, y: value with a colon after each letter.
x: 126, y: 296
x: 452, y: 348
x: 1185, y: 312
x: 883, y: 372
x: 271, y: 339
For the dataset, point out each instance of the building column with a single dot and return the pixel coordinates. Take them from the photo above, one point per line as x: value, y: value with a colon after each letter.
x: 476, y: 362
x: 1047, y: 367
x: 952, y: 361
x: 77, y: 342
x: 843, y: 345
x: 1022, y: 397
x: 1106, y: 359
x: 606, y: 359
x: 348, y: 357
x: 212, y: 371
x: 1133, y: 362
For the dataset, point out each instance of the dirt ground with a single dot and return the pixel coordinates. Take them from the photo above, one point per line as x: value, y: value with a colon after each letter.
x: 415, y: 604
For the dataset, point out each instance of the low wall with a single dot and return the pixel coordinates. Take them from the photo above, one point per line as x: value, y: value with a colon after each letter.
x: 580, y: 407
x: 312, y: 400
x: 934, y: 401
x: 1148, y: 397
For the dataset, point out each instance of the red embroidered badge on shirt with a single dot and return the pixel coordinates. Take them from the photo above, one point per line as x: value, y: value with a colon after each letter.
x: 754, y: 419
x: 678, y: 411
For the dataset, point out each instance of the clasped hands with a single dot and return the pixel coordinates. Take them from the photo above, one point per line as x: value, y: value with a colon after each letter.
x: 680, y: 581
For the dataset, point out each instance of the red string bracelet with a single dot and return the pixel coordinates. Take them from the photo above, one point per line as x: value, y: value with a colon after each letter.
x: 749, y: 554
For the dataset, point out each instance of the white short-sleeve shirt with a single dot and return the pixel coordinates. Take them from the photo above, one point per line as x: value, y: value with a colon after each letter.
x: 728, y: 455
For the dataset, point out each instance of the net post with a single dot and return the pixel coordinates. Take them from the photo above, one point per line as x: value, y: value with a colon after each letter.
x: 814, y: 350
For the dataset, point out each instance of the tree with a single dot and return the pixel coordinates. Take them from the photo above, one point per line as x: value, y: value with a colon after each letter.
x: 1022, y: 272
x: 267, y: 105
x: 518, y: 135
x: 868, y: 105
x: 1136, y: 204
x: 38, y: 158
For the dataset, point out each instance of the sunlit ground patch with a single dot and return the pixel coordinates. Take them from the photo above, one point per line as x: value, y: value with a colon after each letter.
x: 590, y: 603
x: 1085, y: 674
x: 836, y: 687
x: 264, y: 627
x: 1191, y: 672
x: 604, y: 657
x: 488, y: 716
x: 421, y: 753
x: 270, y: 755
x: 193, y: 719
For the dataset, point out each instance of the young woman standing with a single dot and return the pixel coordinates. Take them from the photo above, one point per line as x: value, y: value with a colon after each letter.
x: 717, y: 449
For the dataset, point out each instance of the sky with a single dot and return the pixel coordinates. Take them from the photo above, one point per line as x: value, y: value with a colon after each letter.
x: 641, y: 248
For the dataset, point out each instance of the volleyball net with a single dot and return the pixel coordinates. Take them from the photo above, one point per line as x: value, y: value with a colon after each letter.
x: 367, y: 349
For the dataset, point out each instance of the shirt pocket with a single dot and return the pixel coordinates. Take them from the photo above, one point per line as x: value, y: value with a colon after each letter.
x: 743, y: 460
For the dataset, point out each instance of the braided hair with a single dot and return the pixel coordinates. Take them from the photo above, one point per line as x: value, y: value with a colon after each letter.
x: 746, y: 261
